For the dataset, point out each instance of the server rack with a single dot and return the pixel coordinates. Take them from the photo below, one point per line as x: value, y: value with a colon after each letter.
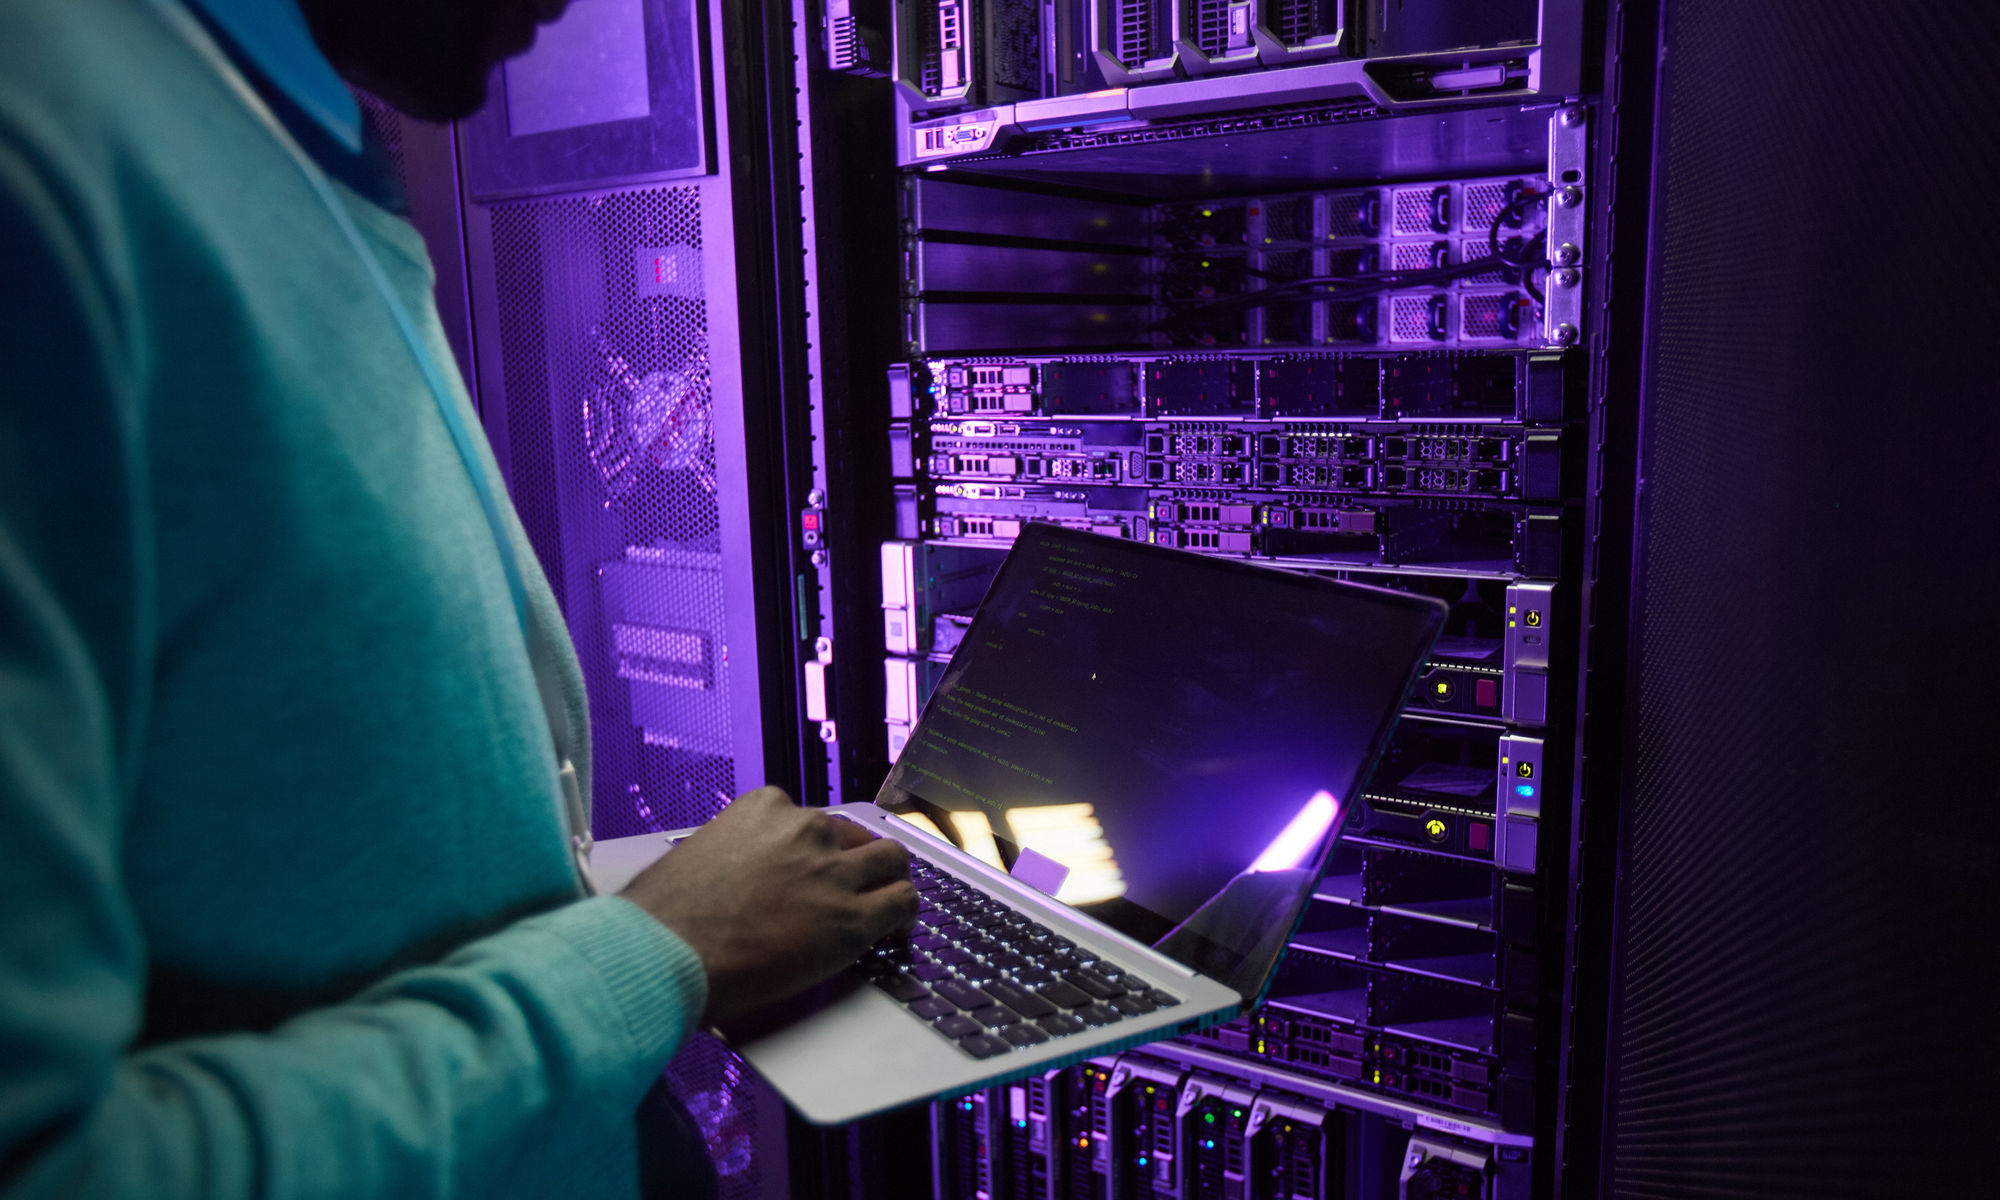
x: 1079, y: 270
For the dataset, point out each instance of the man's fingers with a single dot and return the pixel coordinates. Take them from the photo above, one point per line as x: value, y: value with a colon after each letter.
x: 881, y: 861
x: 850, y: 834
x: 887, y: 909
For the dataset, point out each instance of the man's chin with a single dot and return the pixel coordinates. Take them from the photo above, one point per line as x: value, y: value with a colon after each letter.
x: 436, y: 100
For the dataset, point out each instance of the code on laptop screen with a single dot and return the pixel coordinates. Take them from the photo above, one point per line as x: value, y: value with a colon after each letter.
x: 1183, y: 734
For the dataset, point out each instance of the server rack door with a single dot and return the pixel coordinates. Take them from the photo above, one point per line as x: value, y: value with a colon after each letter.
x: 1804, y: 968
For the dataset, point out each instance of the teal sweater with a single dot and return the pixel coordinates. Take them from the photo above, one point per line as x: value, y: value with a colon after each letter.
x: 285, y: 903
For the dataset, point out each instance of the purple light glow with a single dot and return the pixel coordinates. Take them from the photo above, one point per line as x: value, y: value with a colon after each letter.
x: 1301, y: 835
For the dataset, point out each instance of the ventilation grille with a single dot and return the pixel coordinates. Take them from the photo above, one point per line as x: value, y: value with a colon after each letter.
x: 603, y: 346
x: 1422, y: 210
x: 1289, y: 220
x: 1416, y: 319
x: 1475, y: 249
x: 1298, y: 20
x: 718, y: 1091
x: 1354, y: 214
x: 1482, y: 203
x: 1494, y: 316
x: 1417, y: 256
x: 387, y: 124
x: 1211, y: 27
x: 1138, y: 31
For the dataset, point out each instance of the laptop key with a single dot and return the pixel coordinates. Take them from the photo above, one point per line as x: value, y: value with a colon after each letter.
x: 930, y: 942
x: 982, y: 1046
x: 1023, y: 1035
x: 993, y: 1016
x: 982, y: 946
x: 1099, y: 1014
x: 932, y: 1007
x: 1061, y: 1025
x: 1130, y: 1005
x: 930, y: 972
x: 1160, y: 999
x: 978, y: 974
x: 1062, y: 995
x: 1097, y: 985
x: 1034, y: 976
x: 951, y: 956
x: 962, y: 994
x: 902, y: 987
x: 1020, y: 999
x: 957, y: 1025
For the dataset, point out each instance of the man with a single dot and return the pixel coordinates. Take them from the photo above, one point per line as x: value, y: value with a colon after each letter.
x: 287, y: 907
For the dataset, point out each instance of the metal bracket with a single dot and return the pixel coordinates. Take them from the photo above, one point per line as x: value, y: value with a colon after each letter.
x: 1569, y: 150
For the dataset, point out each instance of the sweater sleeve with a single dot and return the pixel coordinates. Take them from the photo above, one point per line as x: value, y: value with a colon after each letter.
x: 424, y: 1085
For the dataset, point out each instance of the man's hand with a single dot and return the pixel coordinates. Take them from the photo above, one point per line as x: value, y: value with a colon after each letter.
x: 775, y: 898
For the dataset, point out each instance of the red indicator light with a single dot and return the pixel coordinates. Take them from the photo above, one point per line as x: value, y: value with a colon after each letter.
x: 809, y: 521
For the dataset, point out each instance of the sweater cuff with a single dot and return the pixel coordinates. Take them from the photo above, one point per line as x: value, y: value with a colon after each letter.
x: 656, y: 979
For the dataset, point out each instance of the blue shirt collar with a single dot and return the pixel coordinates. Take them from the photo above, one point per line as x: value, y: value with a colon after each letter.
x: 272, y: 36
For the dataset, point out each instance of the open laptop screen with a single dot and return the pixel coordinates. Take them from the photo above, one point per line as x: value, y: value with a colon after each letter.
x: 1184, y: 734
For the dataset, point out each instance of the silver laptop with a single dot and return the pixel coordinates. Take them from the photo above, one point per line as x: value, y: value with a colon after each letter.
x: 1117, y: 801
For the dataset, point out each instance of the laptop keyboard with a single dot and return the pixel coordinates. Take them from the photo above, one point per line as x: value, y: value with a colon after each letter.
x: 991, y: 979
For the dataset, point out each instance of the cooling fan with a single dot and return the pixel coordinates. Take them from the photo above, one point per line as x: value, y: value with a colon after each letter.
x: 634, y: 424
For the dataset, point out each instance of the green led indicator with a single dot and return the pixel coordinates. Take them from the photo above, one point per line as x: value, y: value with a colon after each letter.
x: 1209, y: 1117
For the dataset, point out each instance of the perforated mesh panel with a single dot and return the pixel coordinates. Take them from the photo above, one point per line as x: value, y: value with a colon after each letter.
x: 604, y: 345
x: 1473, y: 249
x: 388, y: 126
x: 1354, y: 214
x: 1489, y: 316
x: 1289, y: 220
x: 1413, y: 209
x: 1415, y: 256
x: 1481, y: 203
x: 1809, y: 864
x: 716, y: 1089
x: 1412, y: 319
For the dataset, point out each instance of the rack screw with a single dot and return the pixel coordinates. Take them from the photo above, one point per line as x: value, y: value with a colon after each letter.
x: 819, y: 558
x: 1566, y: 334
x: 1567, y: 277
x: 1567, y: 253
x: 1570, y: 117
x: 1416, y: 1158
x: 815, y: 499
x: 827, y: 732
x: 1568, y: 197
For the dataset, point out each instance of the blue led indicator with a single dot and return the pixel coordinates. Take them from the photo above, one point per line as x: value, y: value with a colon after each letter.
x: 1524, y: 789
